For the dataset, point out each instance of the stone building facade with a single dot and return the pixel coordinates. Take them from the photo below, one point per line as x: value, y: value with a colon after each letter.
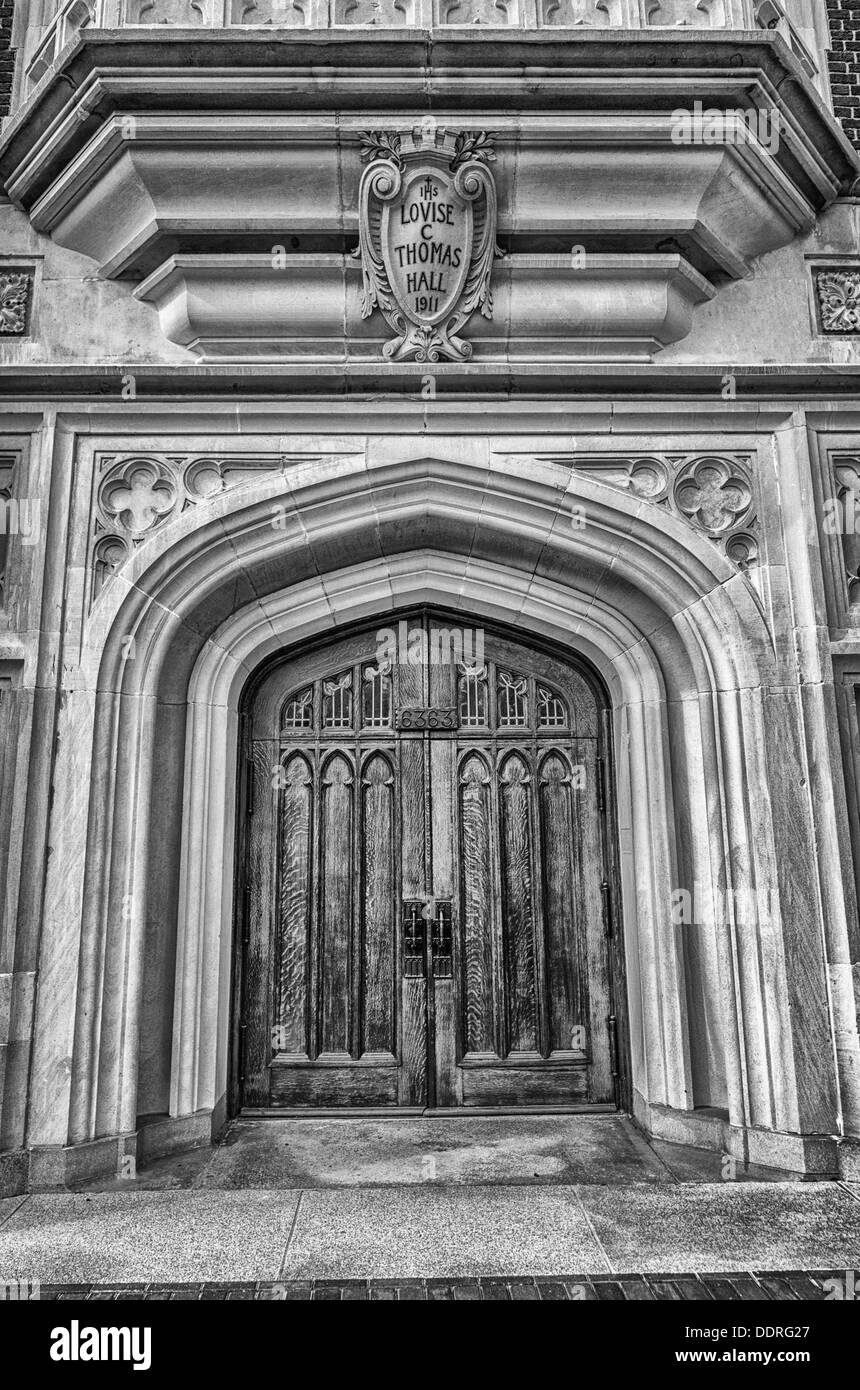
x: 430, y: 623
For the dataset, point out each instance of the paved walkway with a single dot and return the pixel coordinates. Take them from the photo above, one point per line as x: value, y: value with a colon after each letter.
x: 303, y: 1202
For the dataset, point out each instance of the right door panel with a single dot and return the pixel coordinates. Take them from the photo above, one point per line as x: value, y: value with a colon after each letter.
x: 533, y: 994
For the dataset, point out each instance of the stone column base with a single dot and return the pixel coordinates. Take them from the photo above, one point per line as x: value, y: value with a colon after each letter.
x: 51, y: 1168
x: 161, y: 1135
x: 14, y: 1172
x: 57, y: 1166
x: 806, y: 1155
x: 849, y: 1159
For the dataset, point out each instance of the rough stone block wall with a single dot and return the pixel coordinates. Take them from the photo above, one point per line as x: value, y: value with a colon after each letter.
x: 7, y: 57
x: 844, y: 19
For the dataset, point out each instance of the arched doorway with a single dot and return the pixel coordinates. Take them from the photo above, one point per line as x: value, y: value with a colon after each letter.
x: 149, y: 749
x: 427, y: 875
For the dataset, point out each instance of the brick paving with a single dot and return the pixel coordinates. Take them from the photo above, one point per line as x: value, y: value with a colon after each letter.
x: 781, y: 1285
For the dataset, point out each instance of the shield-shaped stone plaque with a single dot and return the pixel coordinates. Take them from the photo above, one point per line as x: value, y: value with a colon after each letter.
x: 427, y: 219
x: 426, y: 244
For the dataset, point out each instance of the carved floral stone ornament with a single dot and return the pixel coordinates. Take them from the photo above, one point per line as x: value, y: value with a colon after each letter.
x: 714, y: 493
x: 136, y: 494
x: 14, y: 297
x: 839, y: 300
x: 427, y: 237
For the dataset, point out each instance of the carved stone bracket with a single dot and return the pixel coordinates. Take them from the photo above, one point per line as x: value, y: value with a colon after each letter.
x: 14, y: 301
x: 714, y: 493
x: 135, y: 494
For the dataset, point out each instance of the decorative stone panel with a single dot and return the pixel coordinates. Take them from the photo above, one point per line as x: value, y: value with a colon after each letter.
x: 15, y: 287
x: 488, y: 12
x: 280, y: 14
x: 714, y: 493
x: 182, y: 13
x: 590, y: 14
x: 385, y: 14
x: 705, y: 14
x: 838, y: 296
x: 136, y: 494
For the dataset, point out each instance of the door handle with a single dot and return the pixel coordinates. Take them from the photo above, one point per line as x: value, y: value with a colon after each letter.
x: 415, y: 921
x: 442, y: 942
x: 413, y: 940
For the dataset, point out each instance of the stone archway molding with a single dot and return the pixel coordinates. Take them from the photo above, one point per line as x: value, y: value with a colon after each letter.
x: 677, y: 634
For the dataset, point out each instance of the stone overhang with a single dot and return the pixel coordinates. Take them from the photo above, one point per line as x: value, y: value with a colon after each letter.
x: 546, y: 308
x: 584, y: 72
x: 179, y: 162
x: 199, y: 183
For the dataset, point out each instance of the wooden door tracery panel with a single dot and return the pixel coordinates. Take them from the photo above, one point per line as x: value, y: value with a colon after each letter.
x: 426, y: 907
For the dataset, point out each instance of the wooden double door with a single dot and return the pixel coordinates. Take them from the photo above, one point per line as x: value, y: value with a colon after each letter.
x: 425, y: 891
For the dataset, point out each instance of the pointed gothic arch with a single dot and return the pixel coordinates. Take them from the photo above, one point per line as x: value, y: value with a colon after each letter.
x: 678, y: 636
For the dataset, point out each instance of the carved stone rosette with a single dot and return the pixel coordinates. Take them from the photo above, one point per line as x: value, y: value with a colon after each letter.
x: 714, y: 493
x: 14, y: 298
x: 427, y: 238
x: 838, y: 294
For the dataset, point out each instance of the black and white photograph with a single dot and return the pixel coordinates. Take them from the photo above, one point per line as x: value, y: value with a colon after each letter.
x: 429, y: 673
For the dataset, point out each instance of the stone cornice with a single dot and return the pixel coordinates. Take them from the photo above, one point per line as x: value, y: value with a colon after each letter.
x: 399, y: 385
x: 611, y: 131
x: 135, y: 70
x: 126, y: 200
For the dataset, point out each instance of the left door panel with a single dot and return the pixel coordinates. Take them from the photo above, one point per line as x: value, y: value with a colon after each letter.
x: 334, y: 1015
x: 323, y: 934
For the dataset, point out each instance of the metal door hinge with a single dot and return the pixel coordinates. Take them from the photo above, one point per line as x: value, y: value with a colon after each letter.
x: 613, y: 1047
x: 246, y: 913
x: 601, y: 786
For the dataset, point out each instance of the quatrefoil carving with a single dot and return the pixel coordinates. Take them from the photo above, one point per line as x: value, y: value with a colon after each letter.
x: 713, y: 495
x: 138, y: 496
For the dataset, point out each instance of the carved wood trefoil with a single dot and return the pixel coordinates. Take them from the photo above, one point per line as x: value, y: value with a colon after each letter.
x: 427, y: 237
